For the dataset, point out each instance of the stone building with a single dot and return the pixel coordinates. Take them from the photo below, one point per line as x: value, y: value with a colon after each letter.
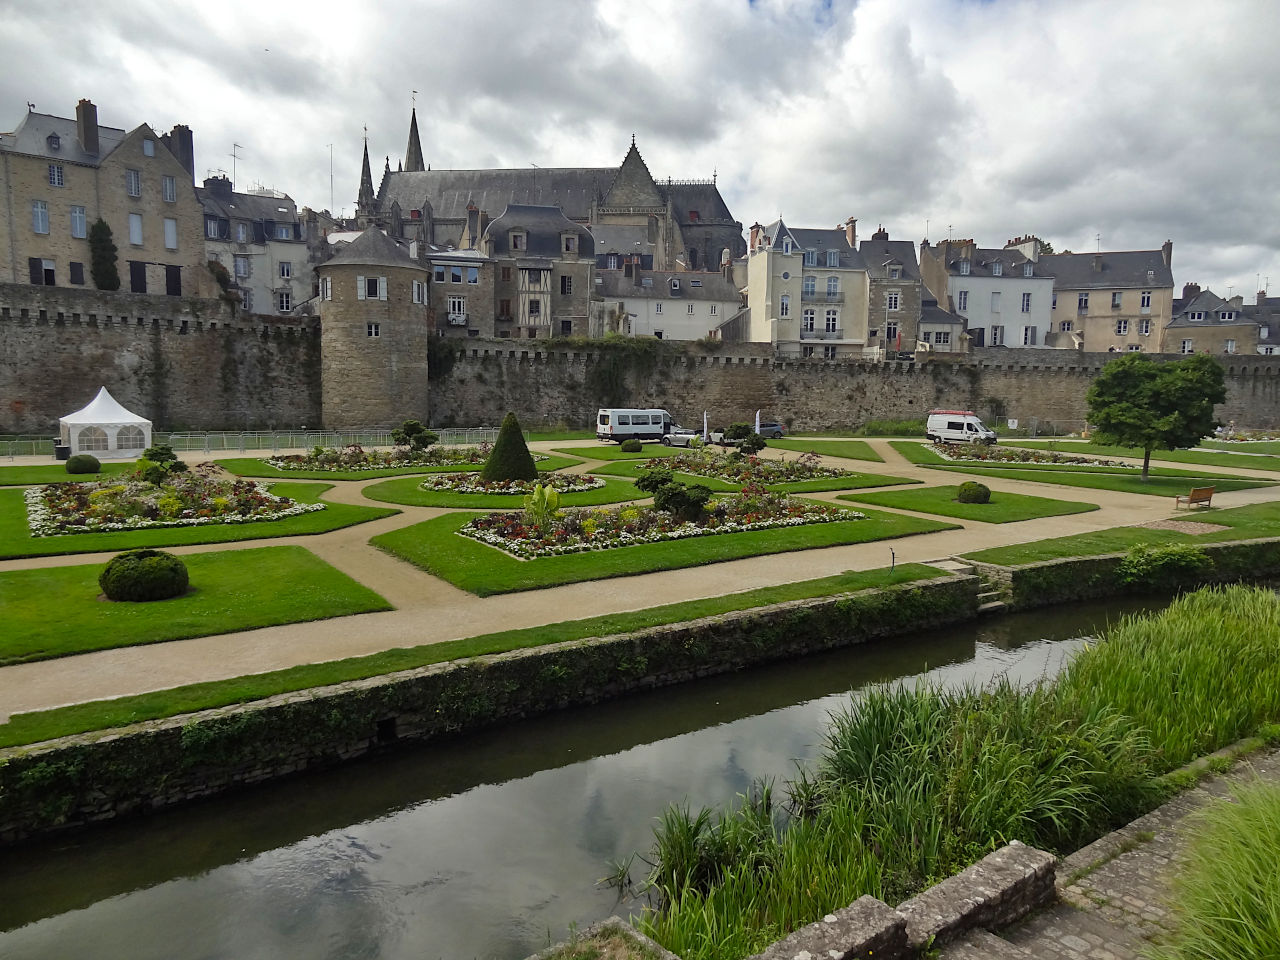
x: 374, y: 334
x: 895, y: 292
x: 807, y: 291
x: 671, y: 306
x: 1207, y: 323
x: 683, y: 225
x: 1003, y: 295
x: 261, y: 241
x: 60, y: 175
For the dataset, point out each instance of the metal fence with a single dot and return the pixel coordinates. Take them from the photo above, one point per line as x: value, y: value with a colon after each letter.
x: 1035, y: 427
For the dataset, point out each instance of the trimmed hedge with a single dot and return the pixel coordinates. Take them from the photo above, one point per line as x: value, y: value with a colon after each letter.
x: 973, y: 492
x: 510, y: 458
x: 631, y: 445
x: 83, y: 463
x: 142, y: 575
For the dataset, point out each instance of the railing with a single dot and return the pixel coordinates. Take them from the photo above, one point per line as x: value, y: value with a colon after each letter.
x: 836, y: 334
x: 26, y: 446
x: 458, y: 319
x: 217, y: 441
x: 822, y: 296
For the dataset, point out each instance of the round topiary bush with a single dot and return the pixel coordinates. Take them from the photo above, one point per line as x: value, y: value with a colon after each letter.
x: 144, y: 575
x: 631, y: 445
x: 83, y: 463
x: 510, y: 458
x: 973, y: 492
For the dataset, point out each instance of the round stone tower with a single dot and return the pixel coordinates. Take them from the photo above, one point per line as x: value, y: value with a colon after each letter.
x: 373, y: 335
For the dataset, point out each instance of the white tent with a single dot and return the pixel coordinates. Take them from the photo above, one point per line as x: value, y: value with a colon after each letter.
x: 106, y: 430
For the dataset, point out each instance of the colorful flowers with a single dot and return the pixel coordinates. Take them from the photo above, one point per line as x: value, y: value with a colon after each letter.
x: 187, y: 500
x: 992, y: 454
x: 736, y: 468
x: 471, y: 483
x: 355, y: 458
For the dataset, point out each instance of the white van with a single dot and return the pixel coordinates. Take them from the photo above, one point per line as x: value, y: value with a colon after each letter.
x: 624, y: 423
x: 957, y: 426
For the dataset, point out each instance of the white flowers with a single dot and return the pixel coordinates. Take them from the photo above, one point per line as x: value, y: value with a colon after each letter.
x: 471, y: 483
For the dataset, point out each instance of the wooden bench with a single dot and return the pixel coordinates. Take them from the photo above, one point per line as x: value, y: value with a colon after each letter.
x: 1198, y: 497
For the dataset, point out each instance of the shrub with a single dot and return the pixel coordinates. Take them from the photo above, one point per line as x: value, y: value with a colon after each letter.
x: 510, y: 459
x: 83, y: 463
x: 737, y: 431
x: 414, y: 435
x: 1164, y: 566
x: 752, y: 443
x: 654, y: 479
x: 973, y: 492
x: 631, y: 445
x: 144, y: 575
x: 163, y: 454
x: 102, y: 257
x: 687, y: 503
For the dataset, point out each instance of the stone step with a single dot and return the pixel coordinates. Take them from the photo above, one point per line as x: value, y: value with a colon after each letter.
x: 952, y: 566
x: 992, y: 606
x: 988, y: 594
x: 1069, y: 933
x: 981, y: 945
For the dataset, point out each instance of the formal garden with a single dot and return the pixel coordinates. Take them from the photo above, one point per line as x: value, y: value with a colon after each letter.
x: 804, y: 473
x: 971, y: 501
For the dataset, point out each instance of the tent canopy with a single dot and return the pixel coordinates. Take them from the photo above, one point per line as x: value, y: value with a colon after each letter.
x: 105, y: 429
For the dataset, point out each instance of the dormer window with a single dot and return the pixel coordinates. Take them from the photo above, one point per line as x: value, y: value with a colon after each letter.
x: 997, y: 269
x: 1195, y: 315
x: 54, y: 141
x: 895, y: 273
x: 517, y: 240
x: 611, y: 262
x: 786, y: 245
x: 833, y: 258
x: 675, y: 284
x: 1228, y: 315
x: 1026, y: 269
x: 964, y: 268
x: 694, y: 217
x: 569, y: 242
x: 811, y: 258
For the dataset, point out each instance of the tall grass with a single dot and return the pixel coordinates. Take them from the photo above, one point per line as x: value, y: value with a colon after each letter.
x: 890, y: 428
x: 916, y: 782
x: 1227, y: 898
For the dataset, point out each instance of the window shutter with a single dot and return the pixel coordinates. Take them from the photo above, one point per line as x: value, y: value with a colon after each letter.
x: 36, y: 266
x: 382, y: 288
x: 1034, y: 331
x: 359, y: 288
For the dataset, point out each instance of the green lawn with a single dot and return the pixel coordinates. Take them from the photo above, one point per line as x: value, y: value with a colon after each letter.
x: 851, y: 482
x: 407, y: 490
x: 231, y: 590
x: 849, y: 449
x: 103, y: 714
x: 16, y: 539
x: 435, y: 546
x: 1003, y: 508
x: 1201, y: 457
x: 255, y: 467
x: 614, y: 451
x: 535, y: 436
x: 1246, y: 523
x: 57, y: 473
x: 1244, y: 446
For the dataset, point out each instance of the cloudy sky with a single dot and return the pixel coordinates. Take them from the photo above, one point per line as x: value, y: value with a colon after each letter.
x: 1130, y: 120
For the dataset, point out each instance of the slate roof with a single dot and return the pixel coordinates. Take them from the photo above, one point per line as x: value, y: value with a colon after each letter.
x: 572, y: 189
x: 621, y: 238
x: 981, y: 260
x: 247, y: 206
x: 878, y: 254
x: 712, y: 286
x: 1119, y: 270
x: 543, y: 226
x: 701, y: 197
x: 819, y: 240
x: 374, y: 248
x: 930, y: 312
x: 1212, y: 306
x: 32, y: 135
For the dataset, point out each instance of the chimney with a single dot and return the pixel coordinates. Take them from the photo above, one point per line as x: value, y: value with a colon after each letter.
x: 181, y: 145
x: 1166, y: 251
x: 219, y: 187
x: 1262, y: 298
x: 87, y: 126
x: 851, y: 232
x: 1097, y: 263
x: 473, y: 225
x: 881, y: 234
x: 1190, y: 290
x: 755, y: 235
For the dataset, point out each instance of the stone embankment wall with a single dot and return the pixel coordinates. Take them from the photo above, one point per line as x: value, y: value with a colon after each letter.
x: 102, y: 776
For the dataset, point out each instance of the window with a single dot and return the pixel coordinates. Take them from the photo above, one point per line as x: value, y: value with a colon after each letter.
x: 690, y: 310
x: 808, y: 286
x: 1066, y: 325
x: 133, y: 182
x: 1144, y: 327
x: 1135, y: 347
x: 457, y: 310
x: 373, y: 329
x: 695, y: 283
x: 1028, y: 336
x: 891, y: 331
x: 1115, y: 300
x: 535, y: 309
x: 714, y: 310
x: 964, y: 268
x: 1146, y: 299
x: 1230, y: 346
x: 833, y: 258
x: 997, y: 269
x: 55, y: 175
x: 833, y: 321
x: 1195, y: 315
x: 1027, y: 270
x: 997, y: 336
x: 241, y: 267
x: 211, y: 228
x: 77, y: 273
x: 135, y: 228
x: 455, y: 274
x: 1268, y: 351
x: 942, y: 338
x: 644, y: 281
x: 248, y: 299
x: 169, y: 190
x: 1122, y: 328
x: 326, y: 288
x: 807, y: 320
x: 566, y: 284
x: 784, y: 306
x: 173, y: 280
x: 995, y: 301
x: 41, y: 272
x: 570, y: 243
x: 962, y: 300
x: 657, y: 308
x: 130, y: 437
x: 891, y: 301
x: 79, y: 223
x: 811, y: 258
x: 610, y: 263
x: 284, y: 231
x: 419, y: 291
x: 828, y: 352
x: 1026, y: 303
x: 806, y: 351
x: 1082, y: 303
x: 170, y: 233
x: 926, y: 336
x: 675, y: 284
x: 473, y: 274
x: 39, y: 216
x: 438, y: 273
x: 148, y: 148
x: 242, y: 233
x: 895, y: 273
x: 833, y: 286
x: 137, y: 277
x: 786, y: 245
x: 1188, y: 346
x: 517, y: 241
x: 504, y: 308
x: 284, y: 300
x: 375, y: 288
x: 1228, y: 314
x: 93, y: 438
x: 1054, y: 302
x: 286, y: 269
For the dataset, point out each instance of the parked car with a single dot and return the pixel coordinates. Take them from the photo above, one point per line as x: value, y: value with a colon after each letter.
x: 771, y: 430
x: 680, y: 437
x: 957, y: 426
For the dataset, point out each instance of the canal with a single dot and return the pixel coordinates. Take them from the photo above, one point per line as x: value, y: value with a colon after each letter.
x: 487, y: 846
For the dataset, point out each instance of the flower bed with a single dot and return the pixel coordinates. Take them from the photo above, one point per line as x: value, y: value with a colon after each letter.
x: 579, y: 531
x: 471, y: 483
x: 993, y: 454
x: 187, y: 500
x: 746, y: 470
x: 356, y: 458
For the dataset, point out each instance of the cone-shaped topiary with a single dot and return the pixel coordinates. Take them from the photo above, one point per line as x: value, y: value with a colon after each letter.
x: 510, y: 459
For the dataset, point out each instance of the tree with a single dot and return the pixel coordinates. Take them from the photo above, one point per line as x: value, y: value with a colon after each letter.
x: 1139, y: 402
x: 414, y: 435
x: 510, y: 458
x: 102, y: 257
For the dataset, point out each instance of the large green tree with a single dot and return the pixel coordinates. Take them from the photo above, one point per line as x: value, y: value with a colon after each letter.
x: 1140, y: 402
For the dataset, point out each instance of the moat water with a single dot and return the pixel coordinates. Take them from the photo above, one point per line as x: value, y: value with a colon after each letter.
x: 488, y: 846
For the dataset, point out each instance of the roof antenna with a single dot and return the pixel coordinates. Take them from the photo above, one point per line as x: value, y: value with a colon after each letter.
x: 1099, y: 239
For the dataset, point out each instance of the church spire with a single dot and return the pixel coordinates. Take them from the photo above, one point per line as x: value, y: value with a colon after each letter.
x: 413, y: 152
x: 365, y: 202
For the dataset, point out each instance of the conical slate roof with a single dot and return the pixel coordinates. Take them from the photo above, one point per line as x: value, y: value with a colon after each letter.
x: 104, y: 409
x: 413, y: 152
x: 365, y: 200
x: 375, y: 248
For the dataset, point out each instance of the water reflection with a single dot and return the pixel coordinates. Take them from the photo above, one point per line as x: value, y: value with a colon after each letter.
x: 486, y: 846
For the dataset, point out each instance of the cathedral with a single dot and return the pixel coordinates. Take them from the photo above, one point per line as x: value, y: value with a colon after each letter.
x: 668, y: 225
